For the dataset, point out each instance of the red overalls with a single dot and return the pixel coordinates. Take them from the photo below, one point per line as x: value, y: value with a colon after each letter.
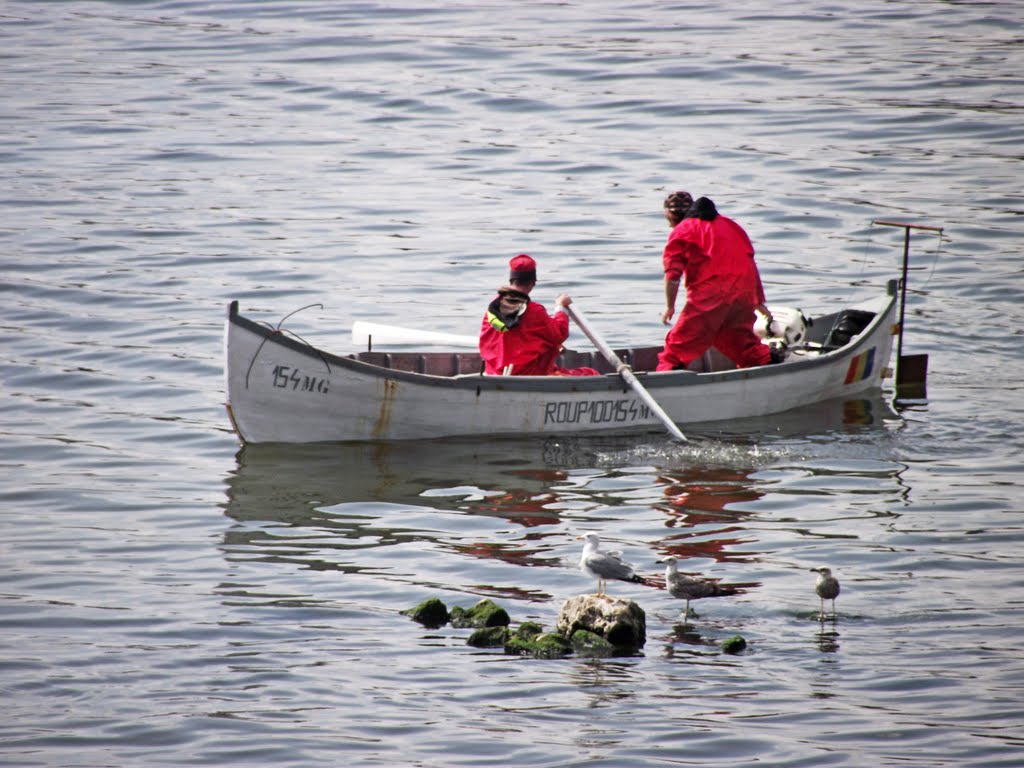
x: 716, y: 261
x: 530, y: 346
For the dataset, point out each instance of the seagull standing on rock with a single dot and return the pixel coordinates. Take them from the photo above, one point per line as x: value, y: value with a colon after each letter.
x: 604, y: 566
x: 690, y: 588
x: 827, y: 587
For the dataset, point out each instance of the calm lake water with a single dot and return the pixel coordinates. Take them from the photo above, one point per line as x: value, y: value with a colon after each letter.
x: 167, y: 598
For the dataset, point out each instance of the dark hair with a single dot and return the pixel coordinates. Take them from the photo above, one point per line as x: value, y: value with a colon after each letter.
x: 703, y: 209
x: 678, y: 203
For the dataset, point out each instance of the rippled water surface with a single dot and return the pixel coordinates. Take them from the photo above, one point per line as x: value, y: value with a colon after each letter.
x: 169, y: 598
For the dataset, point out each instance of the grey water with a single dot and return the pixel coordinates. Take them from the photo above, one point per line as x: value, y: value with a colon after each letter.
x: 168, y: 597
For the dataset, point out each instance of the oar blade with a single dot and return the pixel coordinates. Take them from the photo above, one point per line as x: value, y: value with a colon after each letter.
x: 365, y: 332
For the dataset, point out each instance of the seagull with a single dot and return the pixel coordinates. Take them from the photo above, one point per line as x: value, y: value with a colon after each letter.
x: 827, y: 587
x: 604, y: 566
x: 690, y: 588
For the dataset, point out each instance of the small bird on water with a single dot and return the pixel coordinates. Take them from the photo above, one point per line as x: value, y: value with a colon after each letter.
x: 827, y: 587
x: 690, y: 588
x: 604, y: 566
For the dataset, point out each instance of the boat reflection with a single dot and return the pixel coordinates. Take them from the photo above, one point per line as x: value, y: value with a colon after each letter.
x: 303, y: 503
x: 511, y: 479
x: 703, y: 498
x: 300, y: 503
x: 828, y: 417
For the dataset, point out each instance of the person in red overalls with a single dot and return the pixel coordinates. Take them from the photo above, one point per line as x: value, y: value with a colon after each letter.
x: 715, y: 259
x: 517, y: 336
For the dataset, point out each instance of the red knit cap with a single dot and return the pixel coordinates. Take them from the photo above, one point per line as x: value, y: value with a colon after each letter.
x: 522, y: 267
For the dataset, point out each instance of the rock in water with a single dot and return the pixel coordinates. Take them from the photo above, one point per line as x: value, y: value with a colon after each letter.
x: 621, y: 622
x: 484, y: 614
x: 489, y: 637
x: 430, y: 613
x: 734, y: 644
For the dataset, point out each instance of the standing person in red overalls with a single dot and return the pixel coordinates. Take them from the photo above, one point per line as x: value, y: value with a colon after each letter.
x: 517, y: 336
x: 715, y: 259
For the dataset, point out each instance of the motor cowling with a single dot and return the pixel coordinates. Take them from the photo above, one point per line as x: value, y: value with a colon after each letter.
x: 788, y: 327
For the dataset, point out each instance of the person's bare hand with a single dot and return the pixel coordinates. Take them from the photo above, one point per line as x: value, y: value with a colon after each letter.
x: 666, y: 316
x: 563, y: 300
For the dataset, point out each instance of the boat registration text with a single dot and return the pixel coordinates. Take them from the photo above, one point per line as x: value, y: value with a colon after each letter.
x: 595, y: 412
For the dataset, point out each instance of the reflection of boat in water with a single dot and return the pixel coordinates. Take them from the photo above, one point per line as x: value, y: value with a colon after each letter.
x: 869, y: 412
x: 508, y: 477
x: 516, y: 479
x: 296, y: 503
x: 469, y: 515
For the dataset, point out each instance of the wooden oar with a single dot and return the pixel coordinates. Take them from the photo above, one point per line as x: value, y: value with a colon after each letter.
x: 364, y: 332
x: 625, y: 372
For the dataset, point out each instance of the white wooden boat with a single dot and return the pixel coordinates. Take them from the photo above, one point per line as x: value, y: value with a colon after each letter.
x: 280, y: 389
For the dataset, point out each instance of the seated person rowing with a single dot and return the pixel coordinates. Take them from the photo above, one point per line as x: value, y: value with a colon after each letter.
x: 517, y: 335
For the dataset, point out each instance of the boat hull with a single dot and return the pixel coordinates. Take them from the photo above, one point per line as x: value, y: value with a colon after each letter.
x: 282, y: 390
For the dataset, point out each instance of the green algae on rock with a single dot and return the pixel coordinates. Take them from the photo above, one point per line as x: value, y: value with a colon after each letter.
x: 489, y: 637
x: 430, y: 613
x: 734, y: 644
x: 540, y: 645
x: 587, y: 643
x: 486, y: 613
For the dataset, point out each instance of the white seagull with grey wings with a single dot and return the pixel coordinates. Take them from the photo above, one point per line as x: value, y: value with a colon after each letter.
x: 604, y: 566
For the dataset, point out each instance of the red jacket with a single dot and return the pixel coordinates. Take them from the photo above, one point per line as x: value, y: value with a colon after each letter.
x: 715, y: 260
x: 531, y: 346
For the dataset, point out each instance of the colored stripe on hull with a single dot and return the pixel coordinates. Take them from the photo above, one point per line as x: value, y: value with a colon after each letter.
x: 860, y: 366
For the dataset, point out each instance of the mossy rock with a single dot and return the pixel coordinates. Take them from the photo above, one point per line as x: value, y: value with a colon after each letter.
x: 489, y: 637
x: 621, y: 622
x: 587, y: 643
x: 528, y: 630
x: 519, y: 646
x: 551, y: 645
x: 545, y: 645
x: 734, y: 644
x: 486, y: 613
x: 431, y: 613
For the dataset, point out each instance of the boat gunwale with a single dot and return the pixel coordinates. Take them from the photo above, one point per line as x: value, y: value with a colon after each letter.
x: 566, y: 384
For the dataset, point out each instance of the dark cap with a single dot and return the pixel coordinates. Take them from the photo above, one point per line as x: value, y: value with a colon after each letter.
x: 678, y: 203
x: 522, y: 267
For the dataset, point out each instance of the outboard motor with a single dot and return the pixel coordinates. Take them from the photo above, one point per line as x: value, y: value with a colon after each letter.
x: 789, y: 327
x: 849, y: 323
